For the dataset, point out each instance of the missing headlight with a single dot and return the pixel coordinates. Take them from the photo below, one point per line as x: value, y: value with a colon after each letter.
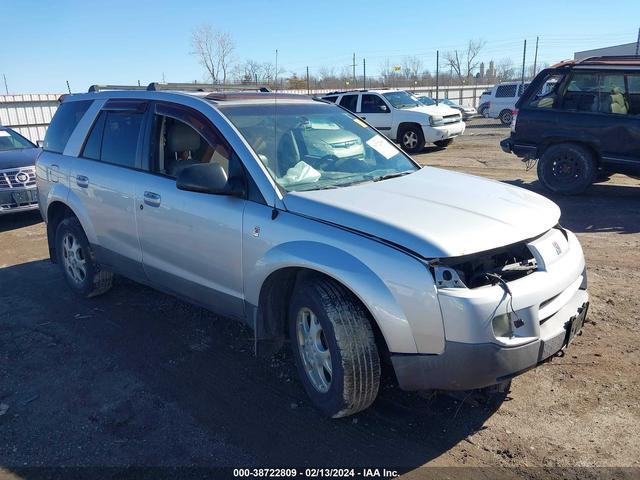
x: 510, y: 263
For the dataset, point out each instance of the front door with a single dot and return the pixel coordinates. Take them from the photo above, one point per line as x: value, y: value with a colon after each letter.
x: 191, y: 242
x: 376, y: 112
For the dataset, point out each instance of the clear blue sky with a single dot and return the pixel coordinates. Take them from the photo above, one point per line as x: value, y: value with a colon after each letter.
x: 46, y: 43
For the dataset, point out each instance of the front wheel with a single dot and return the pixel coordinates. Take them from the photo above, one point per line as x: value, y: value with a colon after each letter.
x: 334, y: 347
x: 444, y: 143
x: 566, y: 168
x: 412, y: 139
x: 83, y: 274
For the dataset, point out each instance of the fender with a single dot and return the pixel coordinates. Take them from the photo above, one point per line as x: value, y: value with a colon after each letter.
x: 346, y: 269
x: 75, y: 204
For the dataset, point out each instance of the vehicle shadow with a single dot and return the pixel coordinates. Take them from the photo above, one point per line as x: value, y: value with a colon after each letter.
x: 13, y: 221
x: 604, y: 207
x: 136, y: 377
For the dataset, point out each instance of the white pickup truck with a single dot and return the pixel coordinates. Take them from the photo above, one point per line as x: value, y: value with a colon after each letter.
x: 402, y: 117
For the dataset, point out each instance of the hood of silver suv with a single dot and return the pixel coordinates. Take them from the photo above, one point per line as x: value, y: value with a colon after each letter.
x: 433, y: 212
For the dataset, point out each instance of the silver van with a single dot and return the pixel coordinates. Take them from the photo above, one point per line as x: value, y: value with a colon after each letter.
x: 241, y: 203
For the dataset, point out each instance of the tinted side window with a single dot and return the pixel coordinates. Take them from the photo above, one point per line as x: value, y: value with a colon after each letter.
x: 330, y: 99
x: 349, y: 102
x: 120, y: 138
x: 506, y: 91
x: 373, y: 104
x: 63, y: 123
x: 547, y: 94
x: 633, y: 83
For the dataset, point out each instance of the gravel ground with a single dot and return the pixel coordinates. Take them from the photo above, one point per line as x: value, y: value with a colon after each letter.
x: 138, y: 378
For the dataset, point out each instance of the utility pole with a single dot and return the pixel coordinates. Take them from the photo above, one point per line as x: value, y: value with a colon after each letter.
x: 68, y: 87
x: 355, y: 85
x: 308, y: 88
x: 524, y: 55
x: 364, y: 73
x: 437, y: 73
x: 638, y: 43
x: 276, y: 69
x: 535, y: 58
x: 6, y: 89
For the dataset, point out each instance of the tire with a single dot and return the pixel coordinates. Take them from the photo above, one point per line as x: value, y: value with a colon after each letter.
x: 444, y: 143
x: 411, y: 139
x: 505, y: 117
x: 85, y: 277
x: 329, y: 327
x: 566, y: 168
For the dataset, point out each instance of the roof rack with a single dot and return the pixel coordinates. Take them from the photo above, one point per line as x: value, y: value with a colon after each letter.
x: 180, y: 87
x: 610, y: 58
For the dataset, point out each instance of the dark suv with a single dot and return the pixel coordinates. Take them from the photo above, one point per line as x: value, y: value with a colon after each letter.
x: 581, y: 119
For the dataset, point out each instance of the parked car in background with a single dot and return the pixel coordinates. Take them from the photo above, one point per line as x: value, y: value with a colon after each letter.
x: 466, y: 112
x: 402, y: 117
x: 502, y: 100
x: 17, y: 172
x: 581, y: 120
x: 483, y: 103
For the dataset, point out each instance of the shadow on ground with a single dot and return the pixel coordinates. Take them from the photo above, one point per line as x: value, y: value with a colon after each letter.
x: 136, y: 377
x: 14, y: 221
x: 604, y: 207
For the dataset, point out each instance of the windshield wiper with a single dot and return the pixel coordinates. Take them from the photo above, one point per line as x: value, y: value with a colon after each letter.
x: 391, y: 175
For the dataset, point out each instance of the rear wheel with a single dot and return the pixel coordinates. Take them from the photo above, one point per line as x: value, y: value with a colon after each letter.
x: 444, y: 143
x: 334, y: 347
x: 82, y: 273
x: 505, y: 117
x: 567, y: 168
x: 412, y: 139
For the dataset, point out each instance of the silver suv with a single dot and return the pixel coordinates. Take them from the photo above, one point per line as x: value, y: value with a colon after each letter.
x: 301, y: 220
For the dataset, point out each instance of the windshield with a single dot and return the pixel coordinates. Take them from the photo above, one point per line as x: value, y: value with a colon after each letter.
x: 316, y: 146
x: 446, y: 101
x: 427, y: 100
x: 10, y: 140
x: 401, y: 99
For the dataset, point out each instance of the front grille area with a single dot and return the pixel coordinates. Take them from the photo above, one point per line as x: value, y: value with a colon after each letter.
x: 17, y: 178
x: 455, y: 118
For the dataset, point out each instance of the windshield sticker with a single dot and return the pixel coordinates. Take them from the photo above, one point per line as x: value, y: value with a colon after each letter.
x: 381, y: 146
x: 4, y: 133
x: 360, y: 122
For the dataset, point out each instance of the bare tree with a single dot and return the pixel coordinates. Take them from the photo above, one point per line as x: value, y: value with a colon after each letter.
x: 214, y: 50
x: 505, y: 70
x: 463, y: 62
x: 411, y: 67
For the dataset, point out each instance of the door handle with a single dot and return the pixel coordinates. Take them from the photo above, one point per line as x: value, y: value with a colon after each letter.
x: 82, y: 181
x: 152, y: 199
x: 53, y: 173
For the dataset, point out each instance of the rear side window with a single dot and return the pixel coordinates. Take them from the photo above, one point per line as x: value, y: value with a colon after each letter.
x: 547, y: 94
x: 506, y: 91
x: 349, y: 102
x: 330, y: 99
x: 114, y: 138
x: 63, y: 124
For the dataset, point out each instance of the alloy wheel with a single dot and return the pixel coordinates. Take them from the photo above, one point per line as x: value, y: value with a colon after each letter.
x: 314, y: 349
x: 410, y: 139
x: 75, y: 262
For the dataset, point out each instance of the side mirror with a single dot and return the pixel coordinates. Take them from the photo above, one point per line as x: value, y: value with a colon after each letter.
x: 383, y: 108
x: 209, y: 178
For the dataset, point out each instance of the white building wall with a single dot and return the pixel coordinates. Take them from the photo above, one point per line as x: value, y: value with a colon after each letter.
x: 28, y: 114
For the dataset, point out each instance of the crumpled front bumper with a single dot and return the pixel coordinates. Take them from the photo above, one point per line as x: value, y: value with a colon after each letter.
x: 467, y: 366
x: 434, y: 134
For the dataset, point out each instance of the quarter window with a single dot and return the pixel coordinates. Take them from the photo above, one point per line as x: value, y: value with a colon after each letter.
x: 349, y: 102
x: 330, y: 99
x: 63, y: 124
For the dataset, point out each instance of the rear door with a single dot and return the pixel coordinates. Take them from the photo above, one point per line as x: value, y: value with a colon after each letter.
x: 103, y: 179
x: 375, y: 110
x: 191, y: 242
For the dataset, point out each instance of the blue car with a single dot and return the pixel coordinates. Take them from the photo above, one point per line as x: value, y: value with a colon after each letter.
x: 17, y: 172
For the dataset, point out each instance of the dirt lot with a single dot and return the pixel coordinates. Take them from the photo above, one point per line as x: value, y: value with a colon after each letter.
x: 136, y: 377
